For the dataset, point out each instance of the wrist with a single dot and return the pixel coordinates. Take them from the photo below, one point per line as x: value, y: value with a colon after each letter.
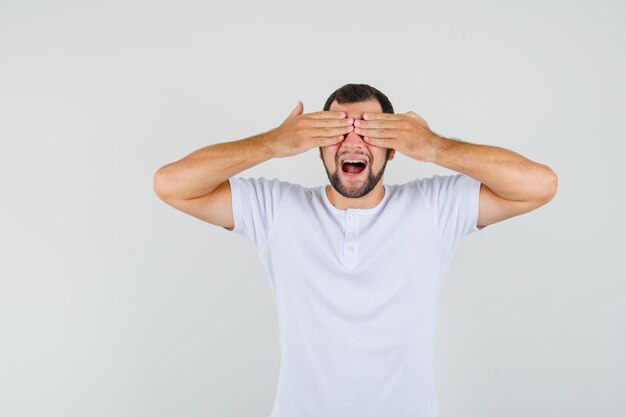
x: 437, y: 145
x: 268, y: 143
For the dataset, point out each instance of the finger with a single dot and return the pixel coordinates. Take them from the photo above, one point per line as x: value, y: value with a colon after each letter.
x: 331, y: 122
x: 331, y: 140
x: 327, y: 114
x: 325, y: 132
x: 383, y: 116
x: 376, y: 133
x: 378, y: 123
x: 380, y: 142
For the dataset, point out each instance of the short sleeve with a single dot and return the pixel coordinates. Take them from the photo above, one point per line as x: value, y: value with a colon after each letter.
x: 255, y: 203
x: 454, y: 203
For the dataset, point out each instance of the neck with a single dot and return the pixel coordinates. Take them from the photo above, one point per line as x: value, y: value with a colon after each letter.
x: 368, y: 201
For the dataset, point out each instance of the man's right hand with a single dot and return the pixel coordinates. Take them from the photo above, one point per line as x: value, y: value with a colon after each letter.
x: 300, y: 132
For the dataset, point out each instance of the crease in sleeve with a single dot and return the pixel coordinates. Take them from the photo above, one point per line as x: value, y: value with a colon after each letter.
x: 475, y: 205
x: 460, y: 193
x: 255, y: 203
x: 453, y: 201
x: 235, y: 192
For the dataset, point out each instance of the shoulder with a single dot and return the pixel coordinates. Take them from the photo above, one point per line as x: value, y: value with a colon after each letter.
x: 261, y: 185
x: 438, y: 180
x: 430, y: 184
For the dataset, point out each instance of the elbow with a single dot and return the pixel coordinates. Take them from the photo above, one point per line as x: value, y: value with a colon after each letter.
x: 552, y: 184
x: 159, y: 183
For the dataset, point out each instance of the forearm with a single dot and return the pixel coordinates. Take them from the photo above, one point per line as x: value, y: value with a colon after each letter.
x: 505, y: 172
x: 200, y: 172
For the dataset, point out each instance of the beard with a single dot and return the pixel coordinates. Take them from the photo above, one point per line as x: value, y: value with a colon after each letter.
x: 371, y: 179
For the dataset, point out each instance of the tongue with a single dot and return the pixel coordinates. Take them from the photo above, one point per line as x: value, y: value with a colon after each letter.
x: 351, y: 168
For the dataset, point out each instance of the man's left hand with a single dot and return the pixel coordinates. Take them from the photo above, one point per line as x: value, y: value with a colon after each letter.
x: 407, y: 133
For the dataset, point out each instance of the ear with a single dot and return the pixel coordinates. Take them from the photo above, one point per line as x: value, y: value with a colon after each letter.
x: 392, y: 154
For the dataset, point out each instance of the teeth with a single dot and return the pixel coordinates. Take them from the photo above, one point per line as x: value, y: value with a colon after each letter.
x: 354, y: 161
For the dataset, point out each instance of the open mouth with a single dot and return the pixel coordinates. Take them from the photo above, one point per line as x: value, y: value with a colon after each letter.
x: 353, y: 167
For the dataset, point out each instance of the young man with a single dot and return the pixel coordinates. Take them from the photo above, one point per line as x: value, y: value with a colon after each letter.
x: 355, y: 267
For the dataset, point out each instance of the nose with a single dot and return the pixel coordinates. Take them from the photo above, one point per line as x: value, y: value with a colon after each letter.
x: 353, y: 144
x: 353, y: 138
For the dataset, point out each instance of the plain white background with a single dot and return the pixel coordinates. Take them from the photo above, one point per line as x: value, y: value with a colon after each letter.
x: 114, y: 304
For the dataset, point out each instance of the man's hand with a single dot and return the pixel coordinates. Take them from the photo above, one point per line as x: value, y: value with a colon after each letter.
x: 300, y: 132
x: 407, y: 133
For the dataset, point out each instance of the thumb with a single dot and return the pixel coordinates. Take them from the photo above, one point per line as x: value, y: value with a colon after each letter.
x: 298, y: 110
x: 415, y: 116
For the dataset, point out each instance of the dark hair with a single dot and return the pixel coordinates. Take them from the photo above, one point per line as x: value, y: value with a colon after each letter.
x: 354, y: 93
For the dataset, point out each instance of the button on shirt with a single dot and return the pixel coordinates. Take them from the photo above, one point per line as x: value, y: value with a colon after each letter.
x: 356, y: 290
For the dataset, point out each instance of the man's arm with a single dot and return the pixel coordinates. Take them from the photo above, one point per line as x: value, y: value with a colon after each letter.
x: 198, y: 183
x: 200, y: 172
x: 511, y: 184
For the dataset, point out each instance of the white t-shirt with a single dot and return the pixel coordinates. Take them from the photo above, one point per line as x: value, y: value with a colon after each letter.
x: 356, y: 291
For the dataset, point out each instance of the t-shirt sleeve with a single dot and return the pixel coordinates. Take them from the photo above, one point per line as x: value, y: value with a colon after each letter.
x: 255, y: 202
x: 454, y: 203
